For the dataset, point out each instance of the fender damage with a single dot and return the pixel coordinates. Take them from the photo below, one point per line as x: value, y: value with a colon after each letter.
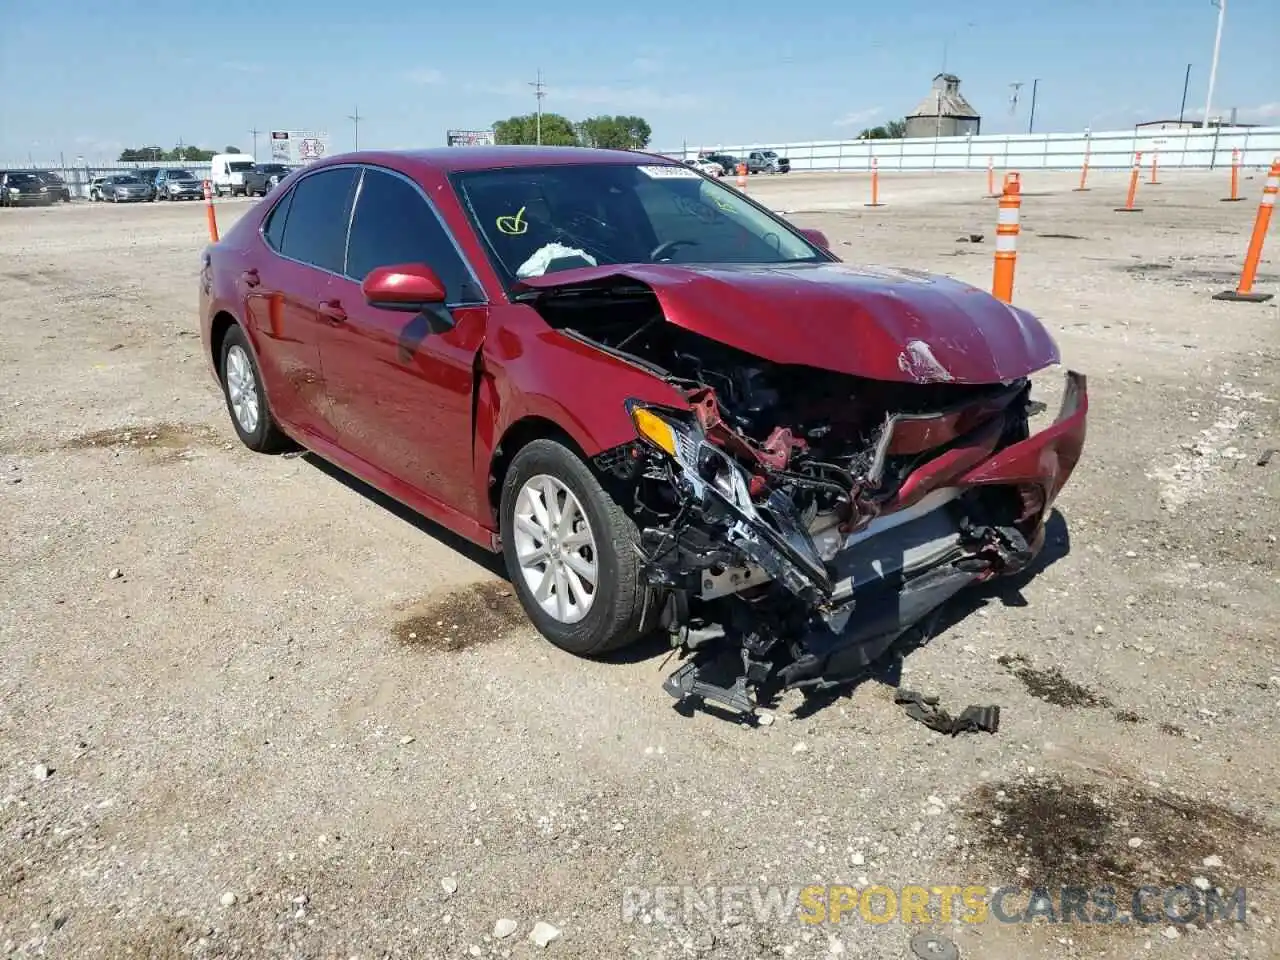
x: 828, y: 483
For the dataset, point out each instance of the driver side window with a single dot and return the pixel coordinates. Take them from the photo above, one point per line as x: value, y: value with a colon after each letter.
x: 393, y: 224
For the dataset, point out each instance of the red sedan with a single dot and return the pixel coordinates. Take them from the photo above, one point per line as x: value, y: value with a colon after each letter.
x: 667, y: 407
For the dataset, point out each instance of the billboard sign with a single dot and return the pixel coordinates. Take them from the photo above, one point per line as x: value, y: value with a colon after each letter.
x: 298, y: 146
x: 469, y: 138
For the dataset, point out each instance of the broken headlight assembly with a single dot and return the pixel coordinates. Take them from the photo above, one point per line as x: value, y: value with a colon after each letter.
x: 717, y: 496
x: 700, y: 464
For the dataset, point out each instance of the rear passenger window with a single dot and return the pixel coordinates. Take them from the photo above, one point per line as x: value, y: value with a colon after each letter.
x: 393, y: 224
x: 274, y: 231
x: 315, y: 229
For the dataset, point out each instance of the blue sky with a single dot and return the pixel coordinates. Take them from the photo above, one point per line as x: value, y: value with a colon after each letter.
x: 103, y: 76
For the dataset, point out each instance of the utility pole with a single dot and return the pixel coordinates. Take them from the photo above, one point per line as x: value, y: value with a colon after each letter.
x: 355, y: 118
x: 1213, y: 67
x: 1186, y: 82
x: 1031, y: 120
x: 255, y: 131
x: 539, y: 93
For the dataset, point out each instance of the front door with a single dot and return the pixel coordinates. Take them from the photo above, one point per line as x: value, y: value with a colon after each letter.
x: 400, y: 385
x: 283, y: 294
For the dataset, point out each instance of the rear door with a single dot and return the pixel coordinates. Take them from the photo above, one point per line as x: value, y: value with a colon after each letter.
x: 306, y: 233
x: 400, y: 385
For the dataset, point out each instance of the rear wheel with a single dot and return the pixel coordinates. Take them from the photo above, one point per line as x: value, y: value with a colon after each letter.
x: 570, y: 553
x: 246, y: 401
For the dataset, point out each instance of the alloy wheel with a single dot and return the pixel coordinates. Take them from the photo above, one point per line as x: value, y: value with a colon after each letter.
x: 556, y: 548
x: 242, y: 389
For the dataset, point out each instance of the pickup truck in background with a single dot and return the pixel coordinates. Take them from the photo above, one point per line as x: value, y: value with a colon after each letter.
x: 767, y: 161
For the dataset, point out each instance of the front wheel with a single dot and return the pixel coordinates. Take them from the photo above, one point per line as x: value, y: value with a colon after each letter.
x: 570, y: 552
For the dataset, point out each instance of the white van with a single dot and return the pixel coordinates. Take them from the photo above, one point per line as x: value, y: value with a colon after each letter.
x: 227, y: 172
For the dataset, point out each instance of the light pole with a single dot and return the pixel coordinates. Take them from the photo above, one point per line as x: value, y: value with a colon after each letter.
x: 538, y: 93
x: 355, y: 118
x: 1031, y: 120
x: 1213, y: 67
x: 1186, y: 81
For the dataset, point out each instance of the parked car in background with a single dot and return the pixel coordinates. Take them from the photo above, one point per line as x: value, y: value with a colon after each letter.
x: 727, y: 161
x: 95, y: 187
x: 227, y: 172
x: 263, y: 177
x: 767, y: 161
x: 126, y: 187
x: 670, y: 409
x: 178, y: 185
x: 58, y: 189
x: 709, y: 167
x: 23, y: 188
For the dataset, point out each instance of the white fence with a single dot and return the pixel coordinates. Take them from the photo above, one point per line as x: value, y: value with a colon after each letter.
x: 1107, y: 150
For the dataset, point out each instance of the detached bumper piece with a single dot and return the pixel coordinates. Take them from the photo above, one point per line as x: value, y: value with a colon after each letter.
x: 760, y: 598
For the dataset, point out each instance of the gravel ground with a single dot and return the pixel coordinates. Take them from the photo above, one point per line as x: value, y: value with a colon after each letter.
x: 248, y: 707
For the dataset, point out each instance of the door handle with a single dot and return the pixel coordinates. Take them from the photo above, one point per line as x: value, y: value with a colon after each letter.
x: 332, y: 311
x: 250, y: 278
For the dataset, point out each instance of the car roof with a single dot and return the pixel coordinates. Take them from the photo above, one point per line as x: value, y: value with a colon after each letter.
x: 460, y: 159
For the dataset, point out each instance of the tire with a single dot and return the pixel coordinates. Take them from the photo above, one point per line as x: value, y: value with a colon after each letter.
x: 614, y: 618
x: 237, y: 359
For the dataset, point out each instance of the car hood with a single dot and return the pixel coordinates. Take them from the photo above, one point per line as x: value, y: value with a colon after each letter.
x: 874, y: 322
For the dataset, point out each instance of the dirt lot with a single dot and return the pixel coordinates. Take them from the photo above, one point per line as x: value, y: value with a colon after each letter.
x: 247, y: 707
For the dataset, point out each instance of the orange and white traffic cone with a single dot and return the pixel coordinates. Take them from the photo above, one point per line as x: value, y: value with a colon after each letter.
x: 1133, y: 186
x: 1007, y: 230
x: 1235, y: 178
x: 742, y: 176
x: 209, y: 215
x: 1243, y: 293
x: 875, y: 184
x: 1155, y: 157
x: 992, y: 193
x: 1084, y: 171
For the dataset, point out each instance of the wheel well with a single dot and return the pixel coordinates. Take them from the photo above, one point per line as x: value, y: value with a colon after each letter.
x: 520, y: 434
x: 222, y: 323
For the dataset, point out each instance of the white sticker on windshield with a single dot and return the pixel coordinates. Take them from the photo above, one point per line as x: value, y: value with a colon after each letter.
x: 663, y: 171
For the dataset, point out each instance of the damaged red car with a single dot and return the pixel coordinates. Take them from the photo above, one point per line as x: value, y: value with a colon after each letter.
x: 667, y: 407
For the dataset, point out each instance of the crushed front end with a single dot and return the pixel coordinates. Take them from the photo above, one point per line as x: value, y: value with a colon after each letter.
x: 793, y: 556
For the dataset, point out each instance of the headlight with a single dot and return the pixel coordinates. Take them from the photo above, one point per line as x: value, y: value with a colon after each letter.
x: 655, y: 429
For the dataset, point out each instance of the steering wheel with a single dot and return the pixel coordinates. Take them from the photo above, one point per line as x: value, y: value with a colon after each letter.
x: 668, y: 247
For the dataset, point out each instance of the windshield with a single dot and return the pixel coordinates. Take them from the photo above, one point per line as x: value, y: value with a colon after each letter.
x: 125, y: 180
x: 180, y: 175
x: 49, y: 177
x: 537, y: 220
x: 239, y: 166
x: 272, y: 168
x: 23, y: 178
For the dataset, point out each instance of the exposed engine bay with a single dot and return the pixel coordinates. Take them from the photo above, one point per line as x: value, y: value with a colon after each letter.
x: 796, y: 522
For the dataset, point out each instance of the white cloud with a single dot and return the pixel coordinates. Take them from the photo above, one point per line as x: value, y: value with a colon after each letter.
x: 623, y: 98
x: 617, y: 99
x: 859, y: 116
x: 1263, y: 111
x: 425, y: 76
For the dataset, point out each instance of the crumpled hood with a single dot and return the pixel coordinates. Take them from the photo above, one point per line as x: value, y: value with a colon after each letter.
x: 874, y: 322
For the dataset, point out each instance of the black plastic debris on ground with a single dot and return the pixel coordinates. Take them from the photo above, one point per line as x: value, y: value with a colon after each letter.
x: 925, y: 709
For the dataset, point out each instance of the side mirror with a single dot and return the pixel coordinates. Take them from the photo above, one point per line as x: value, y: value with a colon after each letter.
x: 816, y: 237
x: 410, y: 287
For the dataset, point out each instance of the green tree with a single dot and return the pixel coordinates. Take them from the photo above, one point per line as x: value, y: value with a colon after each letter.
x: 230, y: 149
x: 556, y: 130
x: 893, y: 130
x: 615, y: 133
x: 141, y: 154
